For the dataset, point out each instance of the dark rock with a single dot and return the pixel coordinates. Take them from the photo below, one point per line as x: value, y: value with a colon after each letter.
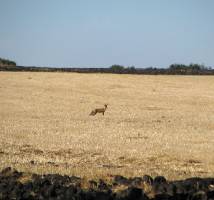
x: 137, y: 181
x: 164, y: 197
x: 120, y: 180
x: 70, y: 192
x: 102, y: 185
x: 210, y: 195
x: 171, y: 189
x: 130, y: 194
x: 6, y: 171
x: 57, y: 187
x: 102, y: 196
x: 200, y: 195
x: 160, y: 188
x: 148, y: 179
x: 92, y: 184
x: 27, y: 195
x: 159, y: 180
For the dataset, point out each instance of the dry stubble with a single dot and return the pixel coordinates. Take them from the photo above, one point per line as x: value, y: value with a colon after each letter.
x: 157, y: 125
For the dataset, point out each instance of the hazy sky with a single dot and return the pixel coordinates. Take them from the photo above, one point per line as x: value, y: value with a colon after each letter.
x: 99, y: 33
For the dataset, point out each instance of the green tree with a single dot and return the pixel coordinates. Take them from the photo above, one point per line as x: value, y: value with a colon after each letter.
x: 117, y: 68
x: 6, y: 62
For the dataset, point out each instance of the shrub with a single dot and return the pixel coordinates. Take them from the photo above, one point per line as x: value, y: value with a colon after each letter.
x: 6, y: 62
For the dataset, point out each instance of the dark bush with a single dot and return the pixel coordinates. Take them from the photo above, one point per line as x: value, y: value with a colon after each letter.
x: 6, y: 62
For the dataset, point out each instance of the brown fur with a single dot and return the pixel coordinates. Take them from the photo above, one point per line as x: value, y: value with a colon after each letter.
x: 98, y: 110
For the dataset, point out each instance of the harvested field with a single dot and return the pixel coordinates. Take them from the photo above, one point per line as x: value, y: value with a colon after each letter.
x: 156, y: 125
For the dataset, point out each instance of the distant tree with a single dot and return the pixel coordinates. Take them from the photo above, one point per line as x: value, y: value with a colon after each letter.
x: 178, y: 68
x: 6, y: 62
x: 131, y: 69
x: 117, y: 68
x: 197, y: 67
x: 187, y: 69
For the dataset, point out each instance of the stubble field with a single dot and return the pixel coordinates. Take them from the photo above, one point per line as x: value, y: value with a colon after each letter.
x: 156, y: 125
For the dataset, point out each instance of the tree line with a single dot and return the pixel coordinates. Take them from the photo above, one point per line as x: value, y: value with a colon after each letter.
x: 173, y: 69
x: 181, y: 69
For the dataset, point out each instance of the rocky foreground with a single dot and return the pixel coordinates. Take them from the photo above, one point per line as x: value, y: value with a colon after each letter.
x: 19, y: 185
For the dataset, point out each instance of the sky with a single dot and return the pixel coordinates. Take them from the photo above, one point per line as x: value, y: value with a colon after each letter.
x: 100, y: 33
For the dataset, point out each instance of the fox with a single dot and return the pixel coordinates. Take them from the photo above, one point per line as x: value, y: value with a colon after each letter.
x: 99, y: 110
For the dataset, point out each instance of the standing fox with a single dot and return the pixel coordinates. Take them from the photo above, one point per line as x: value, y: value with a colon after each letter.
x: 99, y: 110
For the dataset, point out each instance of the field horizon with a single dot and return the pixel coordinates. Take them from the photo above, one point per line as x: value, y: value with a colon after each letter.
x: 156, y: 125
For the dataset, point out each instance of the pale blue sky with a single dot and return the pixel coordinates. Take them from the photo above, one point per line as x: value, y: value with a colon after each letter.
x: 99, y: 33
